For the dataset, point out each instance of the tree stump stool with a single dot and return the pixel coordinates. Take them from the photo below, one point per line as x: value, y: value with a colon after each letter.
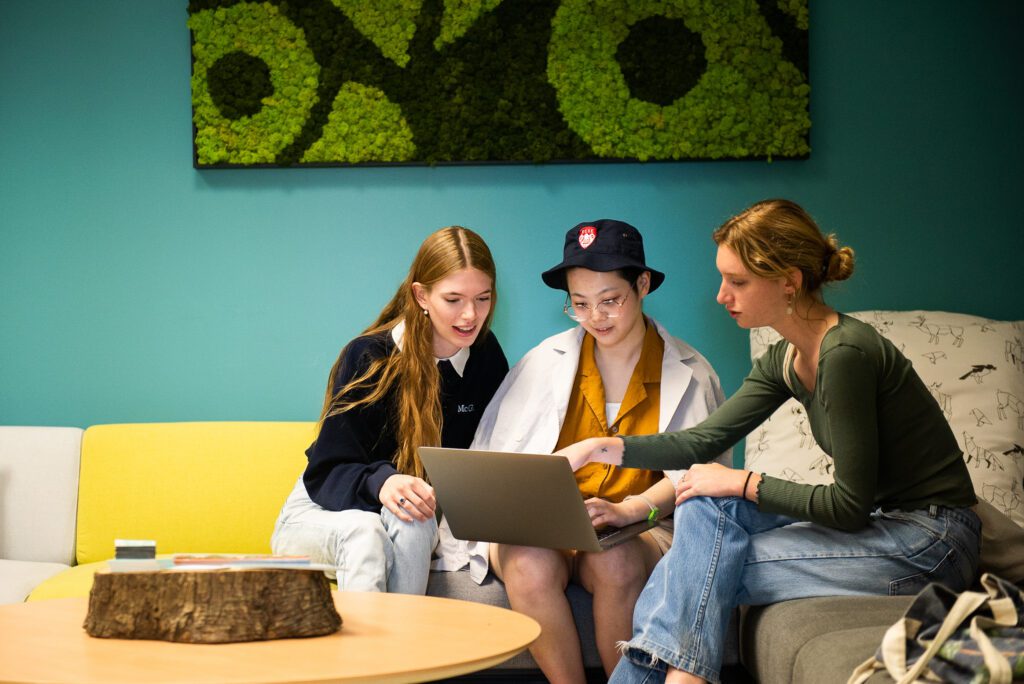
x: 211, y: 606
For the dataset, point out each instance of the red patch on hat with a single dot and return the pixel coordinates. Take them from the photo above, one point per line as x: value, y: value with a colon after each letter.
x: 587, y: 236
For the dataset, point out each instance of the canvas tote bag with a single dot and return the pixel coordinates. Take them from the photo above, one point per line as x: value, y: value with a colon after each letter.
x: 947, y: 637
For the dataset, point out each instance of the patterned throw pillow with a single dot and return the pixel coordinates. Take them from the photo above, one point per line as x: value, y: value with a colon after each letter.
x: 974, y: 367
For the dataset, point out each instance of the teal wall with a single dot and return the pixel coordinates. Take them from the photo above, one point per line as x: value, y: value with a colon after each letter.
x: 134, y: 288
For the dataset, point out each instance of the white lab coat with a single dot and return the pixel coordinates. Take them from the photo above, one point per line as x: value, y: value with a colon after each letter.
x: 527, y: 412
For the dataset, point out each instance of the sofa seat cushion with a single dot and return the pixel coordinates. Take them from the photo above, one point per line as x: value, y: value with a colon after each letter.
x: 833, y: 656
x: 775, y: 639
x: 73, y: 582
x: 17, y: 578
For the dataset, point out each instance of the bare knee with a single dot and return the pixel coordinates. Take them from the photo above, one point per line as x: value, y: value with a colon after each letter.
x: 531, y: 571
x: 620, y: 569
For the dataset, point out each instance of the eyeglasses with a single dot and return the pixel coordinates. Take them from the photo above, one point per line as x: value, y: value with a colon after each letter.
x: 609, y: 308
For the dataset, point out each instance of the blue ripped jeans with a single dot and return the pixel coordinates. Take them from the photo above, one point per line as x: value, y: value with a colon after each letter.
x: 726, y: 553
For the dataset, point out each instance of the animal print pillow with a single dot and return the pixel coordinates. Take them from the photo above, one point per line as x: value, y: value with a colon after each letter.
x: 974, y: 367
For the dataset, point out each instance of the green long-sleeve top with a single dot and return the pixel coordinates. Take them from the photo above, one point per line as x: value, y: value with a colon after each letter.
x: 890, y: 444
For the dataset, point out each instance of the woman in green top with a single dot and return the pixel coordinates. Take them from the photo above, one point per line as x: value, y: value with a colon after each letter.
x: 898, y: 514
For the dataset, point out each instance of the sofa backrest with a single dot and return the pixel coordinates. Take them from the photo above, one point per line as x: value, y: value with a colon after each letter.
x: 38, y: 493
x: 974, y: 368
x: 191, y: 487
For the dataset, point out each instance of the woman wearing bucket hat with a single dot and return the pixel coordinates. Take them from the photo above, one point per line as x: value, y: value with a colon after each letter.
x: 617, y: 372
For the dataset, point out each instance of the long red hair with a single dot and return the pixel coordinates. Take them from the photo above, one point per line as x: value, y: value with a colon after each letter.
x: 414, y: 370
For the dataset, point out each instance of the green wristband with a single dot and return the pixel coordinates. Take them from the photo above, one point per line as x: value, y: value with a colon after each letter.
x: 652, y: 516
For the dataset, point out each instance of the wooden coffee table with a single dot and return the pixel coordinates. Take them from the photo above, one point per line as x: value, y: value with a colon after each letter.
x: 384, y: 638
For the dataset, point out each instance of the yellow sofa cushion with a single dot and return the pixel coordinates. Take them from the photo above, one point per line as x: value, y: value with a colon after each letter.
x: 192, y: 487
x: 74, y: 582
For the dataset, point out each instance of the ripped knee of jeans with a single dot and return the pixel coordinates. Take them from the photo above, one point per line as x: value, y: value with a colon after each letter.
x: 639, y: 656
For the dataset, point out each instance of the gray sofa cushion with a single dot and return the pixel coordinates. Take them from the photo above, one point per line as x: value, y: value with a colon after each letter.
x: 815, y: 640
x: 833, y: 656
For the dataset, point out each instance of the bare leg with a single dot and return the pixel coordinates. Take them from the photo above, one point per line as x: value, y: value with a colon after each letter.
x: 615, y: 578
x: 535, y: 580
x: 675, y: 676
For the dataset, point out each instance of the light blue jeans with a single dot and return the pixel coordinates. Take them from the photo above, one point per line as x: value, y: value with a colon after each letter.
x: 726, y: 553
x: 369, y: 551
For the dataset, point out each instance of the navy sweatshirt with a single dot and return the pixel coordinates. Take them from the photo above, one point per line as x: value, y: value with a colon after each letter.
x: 354, y: 453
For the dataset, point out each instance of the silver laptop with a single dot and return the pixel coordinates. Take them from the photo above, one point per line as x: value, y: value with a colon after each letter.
x: 511, y: 498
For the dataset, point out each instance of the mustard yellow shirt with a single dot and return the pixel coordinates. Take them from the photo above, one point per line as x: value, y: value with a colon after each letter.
x: 638, y: 415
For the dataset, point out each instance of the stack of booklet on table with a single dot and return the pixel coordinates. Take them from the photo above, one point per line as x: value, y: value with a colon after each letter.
x: 134, y: 549
x: 189, y: 561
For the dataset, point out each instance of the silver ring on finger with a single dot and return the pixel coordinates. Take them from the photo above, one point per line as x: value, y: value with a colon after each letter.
x: 401, y: 501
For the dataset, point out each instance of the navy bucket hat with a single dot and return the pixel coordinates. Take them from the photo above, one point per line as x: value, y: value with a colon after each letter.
x: 603, y: 245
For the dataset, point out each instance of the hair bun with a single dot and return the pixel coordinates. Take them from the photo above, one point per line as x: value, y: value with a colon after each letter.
x: 840, y: 263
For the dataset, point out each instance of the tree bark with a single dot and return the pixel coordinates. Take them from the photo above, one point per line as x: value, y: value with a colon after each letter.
x: 211, y: 606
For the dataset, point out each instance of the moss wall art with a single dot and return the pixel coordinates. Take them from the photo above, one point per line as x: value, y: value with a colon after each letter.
x: 342, y: 82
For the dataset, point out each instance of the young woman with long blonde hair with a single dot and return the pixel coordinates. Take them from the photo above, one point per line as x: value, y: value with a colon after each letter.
x: 421, y: 374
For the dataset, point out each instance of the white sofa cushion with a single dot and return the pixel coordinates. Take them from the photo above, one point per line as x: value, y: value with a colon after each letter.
x: 39, y: 493
x: 19, y: 578
x: 975, y: 369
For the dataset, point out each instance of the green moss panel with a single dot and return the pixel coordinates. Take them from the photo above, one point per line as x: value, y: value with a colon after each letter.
x: 448, y: 81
